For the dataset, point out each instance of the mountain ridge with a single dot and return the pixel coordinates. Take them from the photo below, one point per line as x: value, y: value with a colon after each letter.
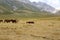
x: 14, y: 8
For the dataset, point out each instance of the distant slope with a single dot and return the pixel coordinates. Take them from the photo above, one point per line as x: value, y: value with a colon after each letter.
x: 19, y: 9
x: 44, y: 7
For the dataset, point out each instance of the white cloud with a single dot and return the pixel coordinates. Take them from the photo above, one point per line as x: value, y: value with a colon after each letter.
x: 54, y: 3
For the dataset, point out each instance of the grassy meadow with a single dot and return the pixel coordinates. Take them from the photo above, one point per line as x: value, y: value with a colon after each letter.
x: 42, y: 29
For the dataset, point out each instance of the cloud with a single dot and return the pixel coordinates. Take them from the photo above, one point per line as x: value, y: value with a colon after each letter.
x: 54, y: 3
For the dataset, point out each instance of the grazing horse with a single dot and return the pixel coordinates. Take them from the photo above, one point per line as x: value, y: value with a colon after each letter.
x: 1, y: 21
x: 30, y: 22
x: 8, y: 21
x: 13, y: 21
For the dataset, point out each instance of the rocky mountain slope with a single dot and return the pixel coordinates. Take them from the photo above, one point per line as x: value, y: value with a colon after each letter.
x: 20, y: 8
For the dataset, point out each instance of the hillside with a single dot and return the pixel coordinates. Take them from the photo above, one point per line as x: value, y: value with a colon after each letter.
x: 44, y: 7
x: 20, y: 9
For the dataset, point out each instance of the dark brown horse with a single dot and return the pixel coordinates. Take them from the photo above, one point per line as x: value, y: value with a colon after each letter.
x: 30, y: 22
x: 1, y: 21
x: 7, y: 21
x: 13, y: 21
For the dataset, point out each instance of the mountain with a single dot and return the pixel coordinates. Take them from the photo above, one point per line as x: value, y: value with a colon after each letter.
x: 25, y: 1
x: 20, y: 8
x: 57, y: 13
x: 14, y: 5
x: 44, y: 7
x: 41, y: 5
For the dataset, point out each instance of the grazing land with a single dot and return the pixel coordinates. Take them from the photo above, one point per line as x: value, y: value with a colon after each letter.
x: 41, y: 29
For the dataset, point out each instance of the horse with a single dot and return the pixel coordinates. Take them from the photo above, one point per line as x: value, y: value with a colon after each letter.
x: 1, y: 21
x: 8, y: 21
x: 30, y: 22
x: 13, y: 21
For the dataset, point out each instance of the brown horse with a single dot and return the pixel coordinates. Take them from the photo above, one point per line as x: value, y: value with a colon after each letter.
x: 30, y: 22
x: 7, y: 21
x: 1, y: 21
x: 13, y: 21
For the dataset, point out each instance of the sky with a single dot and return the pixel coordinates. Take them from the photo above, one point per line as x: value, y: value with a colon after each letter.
x: 53, y: 3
